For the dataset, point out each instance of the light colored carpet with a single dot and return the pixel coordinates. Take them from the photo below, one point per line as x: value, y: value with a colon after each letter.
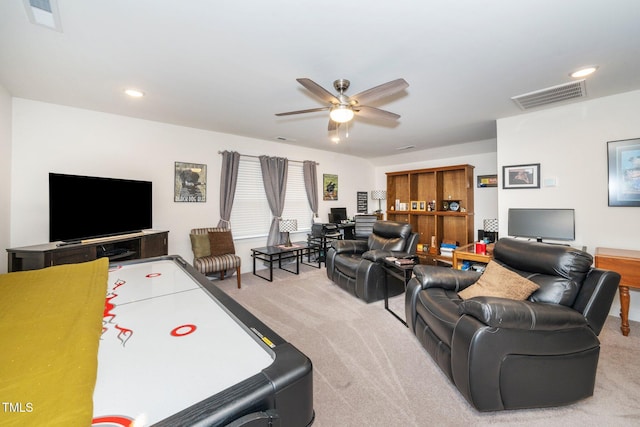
x: 369, y: 370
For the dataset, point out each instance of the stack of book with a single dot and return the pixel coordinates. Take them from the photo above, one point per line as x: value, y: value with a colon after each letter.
x: 447, y: 248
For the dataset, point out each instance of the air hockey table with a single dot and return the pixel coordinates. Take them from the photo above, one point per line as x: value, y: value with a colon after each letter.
x: 176, y: 350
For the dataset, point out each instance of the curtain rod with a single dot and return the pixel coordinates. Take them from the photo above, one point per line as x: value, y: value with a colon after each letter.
x: 257, y: 157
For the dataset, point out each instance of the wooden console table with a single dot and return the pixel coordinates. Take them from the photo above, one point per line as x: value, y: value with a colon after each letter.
x: 468, y: 253
x: 627, y: 263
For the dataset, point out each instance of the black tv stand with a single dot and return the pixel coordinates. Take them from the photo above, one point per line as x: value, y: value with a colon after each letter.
x: 146, y: 244
x: 114, y: 252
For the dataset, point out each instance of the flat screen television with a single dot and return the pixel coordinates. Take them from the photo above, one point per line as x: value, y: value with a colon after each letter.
x: 552, y: 224
x: 83, y: 207
x: 338, y: 215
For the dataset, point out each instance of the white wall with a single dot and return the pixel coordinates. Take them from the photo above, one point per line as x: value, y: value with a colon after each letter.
x: 53, y: 138
x: 5, y: 173
x: 481, y: 154
x: 570, y: 143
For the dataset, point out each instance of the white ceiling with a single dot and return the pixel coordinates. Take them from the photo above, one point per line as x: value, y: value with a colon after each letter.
x: 229, y: 66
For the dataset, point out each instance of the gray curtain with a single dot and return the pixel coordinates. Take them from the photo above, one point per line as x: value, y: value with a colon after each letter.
x: 311, y: 185
x: 228, y: 180
x: 274, y: 178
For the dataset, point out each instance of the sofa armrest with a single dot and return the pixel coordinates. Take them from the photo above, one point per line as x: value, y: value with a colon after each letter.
x: 511, y: 314
x: 350, y: 246
x: 430, y: 276
x: 380, y: 254
x: 596, y: 295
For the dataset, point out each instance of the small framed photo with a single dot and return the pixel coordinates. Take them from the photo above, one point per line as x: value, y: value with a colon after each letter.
x: 624, y: 172
x: 485, y: 181
x: 521, y: 176
x: 422, y: 205
x: 414, y: 205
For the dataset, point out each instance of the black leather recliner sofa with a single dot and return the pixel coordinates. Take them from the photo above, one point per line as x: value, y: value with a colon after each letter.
x: 354, y: 265
x: 507, y: 354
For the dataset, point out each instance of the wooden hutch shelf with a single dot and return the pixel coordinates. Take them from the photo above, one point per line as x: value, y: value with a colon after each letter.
x: 435, y: 185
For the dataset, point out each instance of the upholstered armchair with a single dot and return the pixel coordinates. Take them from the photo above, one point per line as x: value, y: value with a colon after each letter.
x: 355, y: 265
x: 523, y: 334
x: 214, y: 252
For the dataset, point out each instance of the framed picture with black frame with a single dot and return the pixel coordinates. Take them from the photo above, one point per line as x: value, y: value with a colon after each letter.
x: 624, y: 172
x: 521, y: 176
x: 190, y: 182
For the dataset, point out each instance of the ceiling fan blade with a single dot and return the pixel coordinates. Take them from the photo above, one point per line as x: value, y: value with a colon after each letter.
x: 332, y: 125
x: 374, y: 113
x: 311, y: 110
x: 318, y: 91
x: 381, y: 91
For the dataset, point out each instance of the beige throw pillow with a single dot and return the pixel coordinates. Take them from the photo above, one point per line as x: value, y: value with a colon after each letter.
x: 497, y: 281
x: 221, y: 243
x: 200, y: 245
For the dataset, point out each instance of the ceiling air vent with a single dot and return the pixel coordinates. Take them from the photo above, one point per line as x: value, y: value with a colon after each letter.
x: 551, y: 95
x: 44, y: 12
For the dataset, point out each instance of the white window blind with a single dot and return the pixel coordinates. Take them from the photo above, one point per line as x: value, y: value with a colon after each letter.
x: 251, y: 216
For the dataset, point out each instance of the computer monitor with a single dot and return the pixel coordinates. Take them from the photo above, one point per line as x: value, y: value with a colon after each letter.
x: 554, y: 224
x: 338, y: 215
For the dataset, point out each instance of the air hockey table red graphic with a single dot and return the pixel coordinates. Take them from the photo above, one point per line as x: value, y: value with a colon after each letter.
x: 176, y: 350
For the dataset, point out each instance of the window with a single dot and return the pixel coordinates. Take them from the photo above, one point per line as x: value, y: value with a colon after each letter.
x: 251, y: 216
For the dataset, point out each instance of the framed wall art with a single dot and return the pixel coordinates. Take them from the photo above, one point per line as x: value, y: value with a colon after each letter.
x: 362, y: 201
x: 521, y: 176
x: 485, y: 181
x: 624, y: 172
x: 190, y: 182
x: 329, y: 187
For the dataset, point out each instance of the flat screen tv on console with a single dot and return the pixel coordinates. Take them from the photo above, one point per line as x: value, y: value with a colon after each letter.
x: 552, y: 224
x: 84, y: 207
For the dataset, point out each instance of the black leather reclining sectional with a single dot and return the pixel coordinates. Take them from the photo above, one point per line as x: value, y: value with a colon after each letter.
x: 355, y: 265
x: 507, y: 354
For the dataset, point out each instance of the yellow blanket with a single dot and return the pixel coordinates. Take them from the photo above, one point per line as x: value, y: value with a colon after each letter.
x: 50, y: 327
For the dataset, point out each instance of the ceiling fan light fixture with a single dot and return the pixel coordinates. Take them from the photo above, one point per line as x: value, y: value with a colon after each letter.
x: 341, y: 114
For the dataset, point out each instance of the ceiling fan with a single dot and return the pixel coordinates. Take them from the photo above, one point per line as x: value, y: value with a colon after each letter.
x: 343, y: 108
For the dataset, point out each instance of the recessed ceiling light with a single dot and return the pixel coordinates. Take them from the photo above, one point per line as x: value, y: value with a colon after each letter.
x: 585, y: 71
x: 134, y: 93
